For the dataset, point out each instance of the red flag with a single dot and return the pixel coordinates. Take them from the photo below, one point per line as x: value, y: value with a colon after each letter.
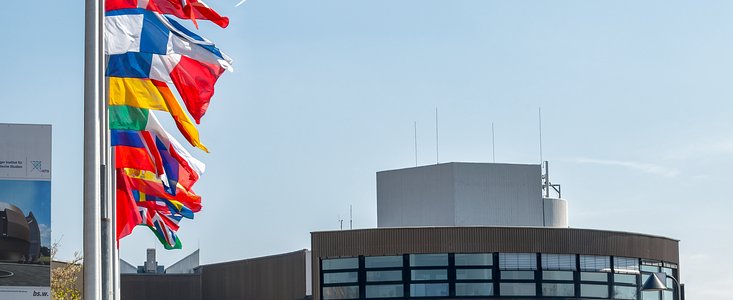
x: 193, y: 10
x: 127, y: 212
x: 195, y: 81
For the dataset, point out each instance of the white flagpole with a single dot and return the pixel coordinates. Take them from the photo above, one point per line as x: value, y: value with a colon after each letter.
x: 108, y: 244
x: 92, y: 155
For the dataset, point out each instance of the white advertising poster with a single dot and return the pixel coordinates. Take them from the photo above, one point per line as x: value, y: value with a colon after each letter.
x: 25, y: 211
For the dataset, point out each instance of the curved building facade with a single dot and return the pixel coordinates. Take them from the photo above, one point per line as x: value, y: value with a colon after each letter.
x: 14, y: 233
x: 488, y: 263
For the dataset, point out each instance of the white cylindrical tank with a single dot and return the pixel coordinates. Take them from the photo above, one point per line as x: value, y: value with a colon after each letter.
x: 556, y: 212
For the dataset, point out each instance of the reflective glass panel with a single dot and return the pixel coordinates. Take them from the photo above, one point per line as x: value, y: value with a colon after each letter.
x: 594, y: 290
x: 626, y: 265
x: 432, y: 274
x: 624, y: 278
x: 667, y: 295
x: 428, y: 289
x: 384, y: 291
x: 474, y: 289
x: 395, y: 275
x: 557, y: 275
x: 558, y: 289
x: 340, y: 263
x: 595, y: 263
x: 650, y: 269
x: 517, y: 289
x: 558, y: 262
x: 474, y: 259
x: 475, y: 274
x: 340, y: 277
x: 518, y: 261
x: 517, y: 275
x: 340, y: 292
x: 383, y: 261
x: 624, y: 292
x: 650, y: 295
x: 594, y: 276
x: 422, y: 260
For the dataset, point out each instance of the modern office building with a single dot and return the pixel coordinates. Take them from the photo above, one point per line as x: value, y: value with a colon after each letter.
x: 445, y: 231
x: 483, y: 231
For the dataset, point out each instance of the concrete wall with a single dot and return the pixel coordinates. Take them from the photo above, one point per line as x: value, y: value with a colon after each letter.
x: 276, y: 277
x: 460, y: 194
x: 497, y: 194
x: 160, y: 286
x: 421, y: 196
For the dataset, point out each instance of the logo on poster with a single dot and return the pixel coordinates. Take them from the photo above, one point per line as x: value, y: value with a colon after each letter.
x: 38, y: 166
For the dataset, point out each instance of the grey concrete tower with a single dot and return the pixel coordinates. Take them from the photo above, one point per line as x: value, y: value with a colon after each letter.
x: 467, y: 194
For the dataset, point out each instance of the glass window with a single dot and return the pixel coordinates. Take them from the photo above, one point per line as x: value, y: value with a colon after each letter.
x: 624, y: 278
x: 517, y: 289
x: 420, y: 260
x: 475, y: 259
x: 432, y: 274
x: 558, y: 289
x: 564, y: 262
x: 385, y: 291
x: 669, y: 283
x: 341, y: 292
x: 595, y: 263
x: 340, y: 277
x: 594, y: 290
x: 518, y: 261
x: 428, y: 289
x: 395, y: 275
x: 650, y: 295
x: 624, y: 292
x: 667, y: 295
x: 473, y: 274
x: 474, y: 289
x: 340, y: 263
x: 517, y: 275
x: 650, y: 269
x: 644, y: 277
x: 557, y: 275
x: 594, y: 276
x: 626, y: 265
x: 383, y: 261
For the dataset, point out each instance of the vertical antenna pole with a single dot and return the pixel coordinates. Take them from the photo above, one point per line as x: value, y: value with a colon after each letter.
x: 416, y: 143
x: 92, y: 155
x: 437, y: 160
x: 351, y: 218
x: 493, y: 144
x: 540, y: 117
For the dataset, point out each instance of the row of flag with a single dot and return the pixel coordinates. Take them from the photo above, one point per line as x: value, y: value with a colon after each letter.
x: 147, y: 50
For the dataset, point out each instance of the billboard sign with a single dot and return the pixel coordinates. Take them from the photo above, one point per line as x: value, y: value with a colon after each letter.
x: 25, y: 211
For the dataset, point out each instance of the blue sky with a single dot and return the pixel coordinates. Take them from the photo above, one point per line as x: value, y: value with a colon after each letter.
x: 636, y: 101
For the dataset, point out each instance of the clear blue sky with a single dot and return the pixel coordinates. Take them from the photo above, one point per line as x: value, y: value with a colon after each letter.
x: 636, y: 100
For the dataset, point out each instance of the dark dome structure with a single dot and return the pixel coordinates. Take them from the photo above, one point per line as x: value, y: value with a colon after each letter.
x: 14, y: 233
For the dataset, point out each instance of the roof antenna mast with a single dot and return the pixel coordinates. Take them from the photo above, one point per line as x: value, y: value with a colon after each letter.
x: 436, y: 136
x: 493, y: 143
x: 540, y: 117
x: 416, y: 143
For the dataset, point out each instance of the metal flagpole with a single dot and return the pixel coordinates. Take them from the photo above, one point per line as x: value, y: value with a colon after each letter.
x: 92, y: 155
x: 109, y: 263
